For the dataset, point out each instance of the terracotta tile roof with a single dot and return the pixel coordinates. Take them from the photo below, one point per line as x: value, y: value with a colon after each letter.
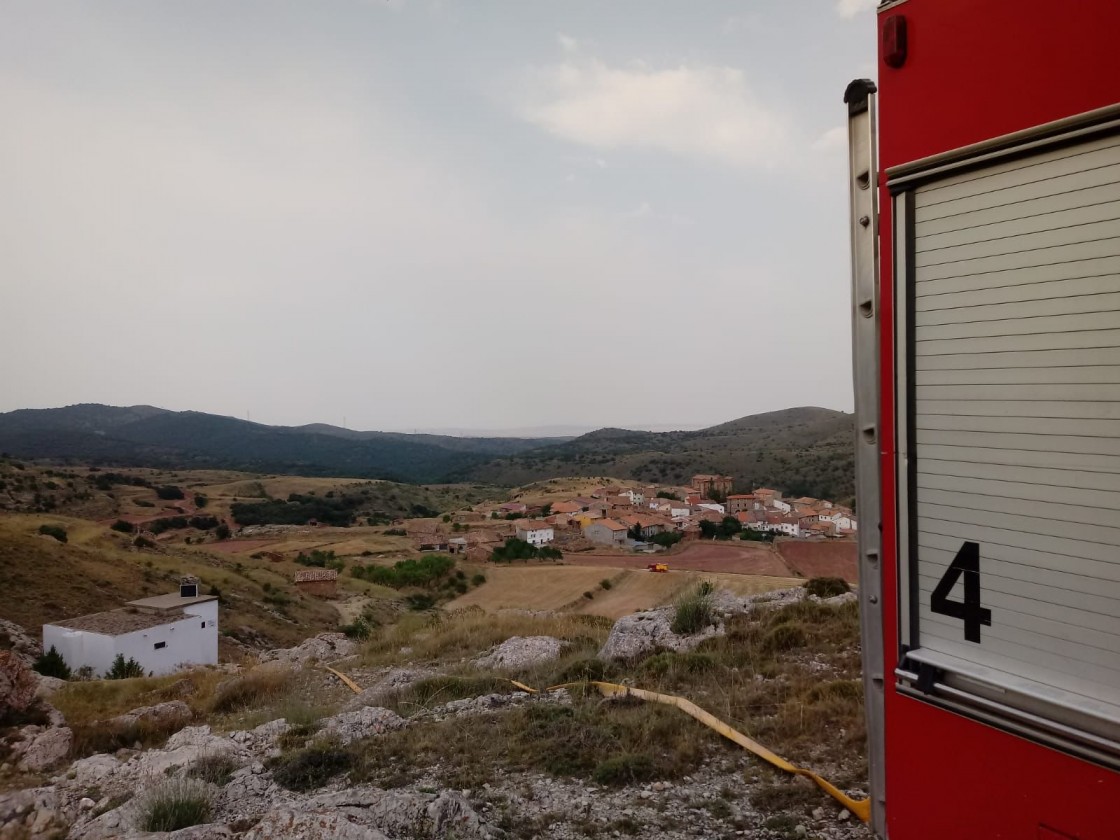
x: 613, y: 524
x: 119, y: 622
x: 311, y: 575
x: 533, y: 525
x: 567, y: 507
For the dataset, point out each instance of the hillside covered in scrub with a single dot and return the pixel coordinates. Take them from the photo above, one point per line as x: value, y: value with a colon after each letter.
x: 436, y: 738
x: 801, y: 451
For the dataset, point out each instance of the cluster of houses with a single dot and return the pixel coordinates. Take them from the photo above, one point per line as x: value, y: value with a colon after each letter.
x: 623, y: 516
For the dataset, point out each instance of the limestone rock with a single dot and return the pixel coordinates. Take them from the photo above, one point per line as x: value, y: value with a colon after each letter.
x: 521, y: 652
x: 362, y: 723
x: 289, y: 824
x: 396, y: 679
x: 47, y: 687
x: 326, y: 647
x: 161, y: 715
x: 644, y: 633
x: 19, y: 642
x: 46, y: 749
x: 17, y: 684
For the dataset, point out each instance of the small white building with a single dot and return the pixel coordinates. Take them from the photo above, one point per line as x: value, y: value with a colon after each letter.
x: 535, y: 533
x: 162, y: 633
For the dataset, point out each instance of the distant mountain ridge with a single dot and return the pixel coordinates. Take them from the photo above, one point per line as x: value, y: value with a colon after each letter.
x: 803, y: 451
x: 149, y: 436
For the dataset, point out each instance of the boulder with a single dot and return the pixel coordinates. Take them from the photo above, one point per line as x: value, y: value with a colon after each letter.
x: 45, y: 749
x: 641, y: 634
x: 362, y: 723
x: 160, y: 716
x: 32, y: 813
x: 520, y: 652
x: 17, y: 684
x: 326, y: 647
x: 48, y: 686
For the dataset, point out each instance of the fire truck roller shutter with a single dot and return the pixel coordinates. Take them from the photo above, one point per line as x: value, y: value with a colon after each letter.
x: 1011, y: 276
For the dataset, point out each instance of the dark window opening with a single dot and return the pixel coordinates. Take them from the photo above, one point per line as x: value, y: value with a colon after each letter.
x: 203, y: 625
x: 159, y: 645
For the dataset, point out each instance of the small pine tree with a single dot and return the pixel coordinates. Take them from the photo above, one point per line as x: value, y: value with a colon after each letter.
x: 124, y: 670
x: 51, y: 664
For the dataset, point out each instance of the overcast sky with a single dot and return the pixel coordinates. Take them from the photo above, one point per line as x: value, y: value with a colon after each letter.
x: 428, y: 214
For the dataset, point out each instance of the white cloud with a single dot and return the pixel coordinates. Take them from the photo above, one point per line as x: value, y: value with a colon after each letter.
x: 702, y: 111
x: 850, y: 8
x: 567, y: 43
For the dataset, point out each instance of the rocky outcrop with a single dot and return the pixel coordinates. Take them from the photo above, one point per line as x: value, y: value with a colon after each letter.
x: 394, y: 680
x: 362, y: 723
x: 19, y: 642
x: 162, y: 715
x: 42, y: 749
x: 33, y: 814
x: 326, y: 647
x: 520, y: 652
x: 17, y: 684
x: 290, y: 824
x: 643, y: 633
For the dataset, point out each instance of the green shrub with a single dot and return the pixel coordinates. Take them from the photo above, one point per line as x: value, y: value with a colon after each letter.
x: 625, y: 769
x: 175, y: 804
x: 123, y: 669
x: 785, y: 637
x: 827, y: 587
x: 667, y: 539
x: 425, y: 572
x: 123, y: 527
x: 478, y: 580
x: 56, y: 531
x: 222, y: 532
x: 668, y: 662
x: 311, y: 767
x: 51, y: 664
x: 357, y: 630
x: 169, y: 492
x: 420, y: 602
x: 605, y: 583
x: 143, y: 542
x: 200, y: 500
x: 694, y: 611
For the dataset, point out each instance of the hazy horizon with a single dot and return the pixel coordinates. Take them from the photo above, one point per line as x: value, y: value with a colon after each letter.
x: 413, y: 214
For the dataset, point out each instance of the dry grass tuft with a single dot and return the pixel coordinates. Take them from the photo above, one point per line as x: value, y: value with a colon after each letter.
x: 258, y: 687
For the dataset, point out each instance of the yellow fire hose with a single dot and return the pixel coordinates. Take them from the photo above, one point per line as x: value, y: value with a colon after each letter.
x: 860, y: 807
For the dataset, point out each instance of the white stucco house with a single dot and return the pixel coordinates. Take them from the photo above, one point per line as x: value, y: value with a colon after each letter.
x: 162, y: 633
x: 535, y: 533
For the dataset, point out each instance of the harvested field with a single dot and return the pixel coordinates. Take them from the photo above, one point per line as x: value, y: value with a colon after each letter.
x: 821, y: 559
x: 563, y: 588
x: 730, y: 557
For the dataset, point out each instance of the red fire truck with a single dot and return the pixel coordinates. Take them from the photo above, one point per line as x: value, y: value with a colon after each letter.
x: 985, y: 171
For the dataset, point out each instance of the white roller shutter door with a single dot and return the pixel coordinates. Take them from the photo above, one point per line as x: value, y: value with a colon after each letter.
x: 1011, y: 348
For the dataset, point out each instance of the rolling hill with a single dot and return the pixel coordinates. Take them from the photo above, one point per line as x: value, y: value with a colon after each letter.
x: 155, y: 437
x: 802, y: 451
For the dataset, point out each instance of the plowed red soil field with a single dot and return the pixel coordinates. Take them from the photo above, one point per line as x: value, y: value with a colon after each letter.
x: 821, y: 559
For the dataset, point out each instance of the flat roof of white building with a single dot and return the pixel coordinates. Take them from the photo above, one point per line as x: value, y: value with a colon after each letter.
x: 119, y: 622
x: 170, y: 601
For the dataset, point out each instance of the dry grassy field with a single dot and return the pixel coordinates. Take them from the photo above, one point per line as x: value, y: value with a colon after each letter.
x: 565, y: 588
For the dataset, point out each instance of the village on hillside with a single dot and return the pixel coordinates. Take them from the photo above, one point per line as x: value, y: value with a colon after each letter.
x: 647, y: 518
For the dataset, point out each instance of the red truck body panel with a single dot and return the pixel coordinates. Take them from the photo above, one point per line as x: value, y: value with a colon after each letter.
x: 978, y: 69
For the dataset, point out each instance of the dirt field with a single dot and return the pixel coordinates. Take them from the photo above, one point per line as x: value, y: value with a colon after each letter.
x: 731, y: 557
x: 821, y: 559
